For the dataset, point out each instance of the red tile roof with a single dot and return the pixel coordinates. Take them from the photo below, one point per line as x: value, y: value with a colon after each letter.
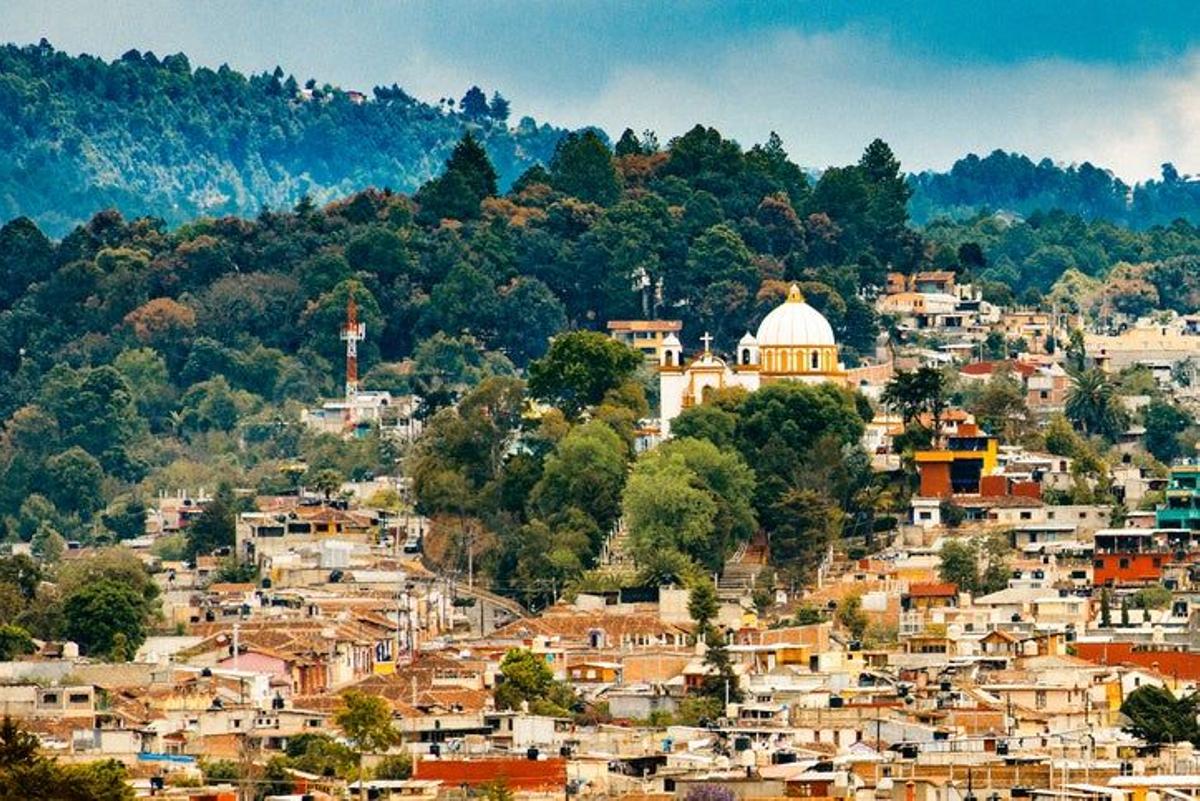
x: 987, y: 368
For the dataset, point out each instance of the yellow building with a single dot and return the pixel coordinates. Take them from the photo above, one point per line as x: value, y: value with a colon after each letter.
x: 794, y: 343
x: 647, y: 336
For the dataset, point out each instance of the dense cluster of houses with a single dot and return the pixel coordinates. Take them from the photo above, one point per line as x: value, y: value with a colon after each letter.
x: 937, y: 691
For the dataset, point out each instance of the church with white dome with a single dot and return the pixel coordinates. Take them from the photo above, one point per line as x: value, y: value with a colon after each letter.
x: 794, y: 343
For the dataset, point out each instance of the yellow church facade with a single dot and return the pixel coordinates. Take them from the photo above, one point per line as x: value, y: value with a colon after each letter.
x: 794, y: 342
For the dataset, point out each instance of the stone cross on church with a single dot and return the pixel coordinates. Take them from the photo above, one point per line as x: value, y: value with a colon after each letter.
x: 707, y: 340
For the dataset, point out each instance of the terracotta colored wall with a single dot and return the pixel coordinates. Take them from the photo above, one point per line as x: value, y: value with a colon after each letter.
x: 518, y: 774
x: 637, y: 668
x: 993, y: 486
x: 1141, y: 569
x: 1027, y: 489
x: 935, y: 480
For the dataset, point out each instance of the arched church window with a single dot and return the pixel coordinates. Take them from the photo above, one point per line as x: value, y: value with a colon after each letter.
x: 745, y: 355
x: 670, y: 358
x: 815, y: 360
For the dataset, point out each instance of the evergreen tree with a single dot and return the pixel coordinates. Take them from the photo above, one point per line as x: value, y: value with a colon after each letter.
x: 583, y: 167
x: 215, y: 526
x: 499, y: 108
x: 720, y: 682
x: 474, y: 104
x: 468, y: 179
x: 628, y: 144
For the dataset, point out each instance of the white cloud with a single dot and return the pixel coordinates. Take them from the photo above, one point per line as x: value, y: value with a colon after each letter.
x: 829, y: 95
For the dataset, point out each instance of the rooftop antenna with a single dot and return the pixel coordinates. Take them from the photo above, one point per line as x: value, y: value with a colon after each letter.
x: 352, y: 333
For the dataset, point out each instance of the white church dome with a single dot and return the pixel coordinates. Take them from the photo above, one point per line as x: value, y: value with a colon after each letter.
x: 794, y: 322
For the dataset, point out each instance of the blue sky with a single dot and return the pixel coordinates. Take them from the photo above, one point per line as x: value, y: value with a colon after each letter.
x: 1117, y: 83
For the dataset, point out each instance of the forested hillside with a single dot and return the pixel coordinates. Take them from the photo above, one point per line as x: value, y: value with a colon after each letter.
x: 128, y: 349
x: 159, y: 137
x: 1014, y: 183
x: 137, y: 357
x: 155, y: 136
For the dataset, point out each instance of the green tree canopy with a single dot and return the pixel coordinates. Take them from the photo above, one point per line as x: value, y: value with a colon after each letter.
x: 97, y: 614
x: 1093, y: 405
x: 688, y: 496
x: 585, y: 471
x: 1158, y: 717
x: 526, y: 679
x: 214, y: 527
x: 579, y: 368
x: 583, y: 167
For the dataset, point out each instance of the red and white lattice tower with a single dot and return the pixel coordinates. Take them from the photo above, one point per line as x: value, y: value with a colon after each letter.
x: 352, y: 333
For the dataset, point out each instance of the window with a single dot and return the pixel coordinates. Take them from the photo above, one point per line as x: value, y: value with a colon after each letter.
x: 670, y: 357
x: 1044, y: 394
x: 78, y: 698
x: 1123, y: 563
x: 816, y: 360
x: 50, y: 698
x: 745, y: 355
x: 926, y: 515
x: 1039, y: 699
x: 1026, y: 515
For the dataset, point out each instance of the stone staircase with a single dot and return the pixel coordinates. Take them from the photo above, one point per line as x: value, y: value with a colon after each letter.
x: 833, y: 567
x: 615, y: 553
x: 742, y: 569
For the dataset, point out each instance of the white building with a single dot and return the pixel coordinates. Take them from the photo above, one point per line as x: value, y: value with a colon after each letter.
x: 794, y: 343
x: 354, y: 415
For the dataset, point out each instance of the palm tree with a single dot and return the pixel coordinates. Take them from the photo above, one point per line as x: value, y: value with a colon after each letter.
x: 1092, y: 404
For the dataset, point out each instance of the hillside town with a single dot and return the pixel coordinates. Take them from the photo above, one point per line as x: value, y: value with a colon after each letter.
x: 1014, y: 622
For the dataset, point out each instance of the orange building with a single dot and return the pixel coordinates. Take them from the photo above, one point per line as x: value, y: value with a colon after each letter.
x: 1120, y: 569
x: 969, y: 456
x: 1135, y: 557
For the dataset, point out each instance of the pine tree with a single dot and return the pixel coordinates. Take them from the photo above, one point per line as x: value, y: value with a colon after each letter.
x: 721, y: 682
x: 628, y: 144
x: 499, y: 108
x: 583, y: 167
x: 468, y: 179
x: 474, y: 104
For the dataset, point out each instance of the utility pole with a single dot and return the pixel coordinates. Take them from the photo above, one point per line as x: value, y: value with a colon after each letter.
x: 470, y: 541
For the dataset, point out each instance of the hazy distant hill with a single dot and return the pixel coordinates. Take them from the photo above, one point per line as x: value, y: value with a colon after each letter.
x: 1012, y: 182
x: 155, y: 136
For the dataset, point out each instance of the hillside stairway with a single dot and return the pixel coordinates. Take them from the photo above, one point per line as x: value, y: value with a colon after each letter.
x: 616, y: 552
x: 742, y: 569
